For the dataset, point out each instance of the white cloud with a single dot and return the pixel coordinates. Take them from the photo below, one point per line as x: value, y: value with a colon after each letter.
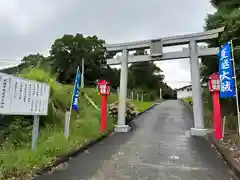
x: 175, y: 75
x: 29, y: 26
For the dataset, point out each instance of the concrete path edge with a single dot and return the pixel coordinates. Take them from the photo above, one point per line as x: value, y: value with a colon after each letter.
x: 188, y: 106
x: 72, y: 153
x: 226, y: 154
x: 147, y: 109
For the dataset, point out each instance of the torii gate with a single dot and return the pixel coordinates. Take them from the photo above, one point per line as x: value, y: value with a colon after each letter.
x: 156, y: 54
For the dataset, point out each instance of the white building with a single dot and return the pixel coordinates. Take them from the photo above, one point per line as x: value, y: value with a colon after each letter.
x: 186, y: 91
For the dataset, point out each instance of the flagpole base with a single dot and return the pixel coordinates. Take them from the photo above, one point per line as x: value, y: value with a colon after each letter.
x: 122, y: 128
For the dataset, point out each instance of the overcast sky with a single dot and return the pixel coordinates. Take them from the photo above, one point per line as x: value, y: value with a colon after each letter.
x: 31, y: 26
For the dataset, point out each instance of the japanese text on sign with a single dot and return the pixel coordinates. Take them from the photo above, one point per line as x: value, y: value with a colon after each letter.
x: 22, y: 97
x: 226, y: 72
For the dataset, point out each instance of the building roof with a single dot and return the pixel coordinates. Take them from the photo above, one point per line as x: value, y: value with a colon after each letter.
x: 187, y: 86
x: 184, y: 87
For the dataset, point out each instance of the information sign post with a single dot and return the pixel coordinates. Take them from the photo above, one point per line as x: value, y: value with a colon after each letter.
x: 19, y: 96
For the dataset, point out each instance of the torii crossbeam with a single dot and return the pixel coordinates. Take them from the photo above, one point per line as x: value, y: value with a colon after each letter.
x: 156, y: 54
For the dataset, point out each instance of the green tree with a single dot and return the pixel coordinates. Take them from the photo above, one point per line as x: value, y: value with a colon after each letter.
x: 147, y: 78
x: 67, y: 53
x: 34, y: 60
x: 228, y: 16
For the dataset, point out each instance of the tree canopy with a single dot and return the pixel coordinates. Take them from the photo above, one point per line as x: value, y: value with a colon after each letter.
x: 228, y: 16
x: 66, y: 55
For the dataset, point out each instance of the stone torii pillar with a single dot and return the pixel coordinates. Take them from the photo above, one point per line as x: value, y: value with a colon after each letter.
x: 156, y: 54
x: 196, y: 91
x: 121, y: 126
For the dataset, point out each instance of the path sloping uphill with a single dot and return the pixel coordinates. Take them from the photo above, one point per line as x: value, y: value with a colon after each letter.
x: 159, y: 147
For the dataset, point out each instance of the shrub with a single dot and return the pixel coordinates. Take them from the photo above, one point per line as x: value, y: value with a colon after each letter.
x: 131, y: 111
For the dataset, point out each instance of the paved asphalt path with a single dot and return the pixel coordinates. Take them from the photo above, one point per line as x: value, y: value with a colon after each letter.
x: 159, y: 147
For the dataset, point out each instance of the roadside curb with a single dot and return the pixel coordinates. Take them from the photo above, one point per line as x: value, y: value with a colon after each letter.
x: 72, y: 153
x: 226, y: 154
x: 188, y: 106
x: 147, y: 109
x: 189, y: 111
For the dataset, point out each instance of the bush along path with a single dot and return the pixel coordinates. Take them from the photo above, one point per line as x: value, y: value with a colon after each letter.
x: 18, y: 161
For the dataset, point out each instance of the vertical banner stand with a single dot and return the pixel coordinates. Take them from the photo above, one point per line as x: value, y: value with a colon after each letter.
x: 73, y: 102
x: 118, y: 91
x: 35, y: 131
x: 67, y: 123
x: 68, y: 118
x: 223, y: 128
x: 236, y: 88
x: 82, y: 75
x: 160, y: 93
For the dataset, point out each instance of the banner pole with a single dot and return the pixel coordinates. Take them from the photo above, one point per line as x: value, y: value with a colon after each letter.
x: 70, y: 109
x: 236, y: 88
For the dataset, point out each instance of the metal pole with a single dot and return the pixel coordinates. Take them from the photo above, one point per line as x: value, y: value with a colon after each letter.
x: 82, y: 74
x: 67, y: 123
x: 236, y: 88
x: 196, y: 88
x: 70, y: 108
x: 160, y: 93
x: 35, y: 131
x: 121, y: 126
x: 69, y: 114
x: 223, y: 128
x: 118, y: 90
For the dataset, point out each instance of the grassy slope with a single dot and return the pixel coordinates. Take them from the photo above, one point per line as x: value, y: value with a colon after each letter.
x: 19, y: 161
x: 141, y: 106
x: 93, y: 94
x: 187, y: 100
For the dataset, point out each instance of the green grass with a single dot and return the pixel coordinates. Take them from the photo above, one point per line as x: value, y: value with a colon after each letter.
x: 51, y: 143
x: 93, y: 94
x: 187, y: 100
x: 141, y: 106
x: 18, y: 160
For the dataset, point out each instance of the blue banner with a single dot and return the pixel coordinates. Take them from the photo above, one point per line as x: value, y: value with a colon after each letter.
x: 76, y: 91
x: 226, y: 72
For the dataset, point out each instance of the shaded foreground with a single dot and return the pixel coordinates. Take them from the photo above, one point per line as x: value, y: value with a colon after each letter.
x: 159, y: 147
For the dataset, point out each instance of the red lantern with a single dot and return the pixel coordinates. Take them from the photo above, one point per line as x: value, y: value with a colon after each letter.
x: 103, y: 87
x: 214, y: 83
x: 104, y: 91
